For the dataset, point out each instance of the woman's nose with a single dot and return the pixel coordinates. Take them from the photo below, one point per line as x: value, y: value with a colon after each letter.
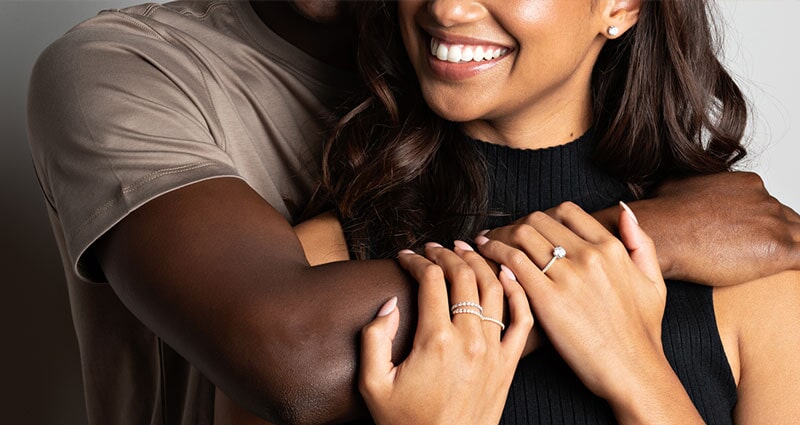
x: 450, y: 13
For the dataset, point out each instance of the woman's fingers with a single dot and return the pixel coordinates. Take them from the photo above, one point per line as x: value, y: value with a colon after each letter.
x: 525, y: 238
x: 520, y: 321
x: 489, y: 289
x: 377, y: 337
x: 517, y: 263
x: 432, y: 295
x: 577, y: 220
x: 640, y: 247
x: 464, y: 293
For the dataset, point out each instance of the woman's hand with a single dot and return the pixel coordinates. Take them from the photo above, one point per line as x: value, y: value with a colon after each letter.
x: 460, y: 369
x: 601, y: 305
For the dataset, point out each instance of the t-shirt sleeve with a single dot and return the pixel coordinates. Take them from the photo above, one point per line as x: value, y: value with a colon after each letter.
x: 117, y: 116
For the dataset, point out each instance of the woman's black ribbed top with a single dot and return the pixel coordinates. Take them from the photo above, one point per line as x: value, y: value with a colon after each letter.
x: 545, y: 390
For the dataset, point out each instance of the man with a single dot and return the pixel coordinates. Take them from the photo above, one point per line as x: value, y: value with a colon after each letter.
x: 175, y: 144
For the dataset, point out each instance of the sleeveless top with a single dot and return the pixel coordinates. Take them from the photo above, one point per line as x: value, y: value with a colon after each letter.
x: 544, y: 389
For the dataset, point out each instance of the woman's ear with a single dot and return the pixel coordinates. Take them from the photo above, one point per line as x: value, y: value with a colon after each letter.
x: 620, y: 16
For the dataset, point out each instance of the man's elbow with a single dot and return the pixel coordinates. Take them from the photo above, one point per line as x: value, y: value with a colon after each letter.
x: 292, y: 376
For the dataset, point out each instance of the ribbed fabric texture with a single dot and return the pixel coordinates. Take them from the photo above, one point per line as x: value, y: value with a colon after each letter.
x: 525, y: 180
x: 545, y: 390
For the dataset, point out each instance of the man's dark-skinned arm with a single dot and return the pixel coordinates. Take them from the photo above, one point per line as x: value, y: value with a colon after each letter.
x: 719, y: 229
x: 221, y: 276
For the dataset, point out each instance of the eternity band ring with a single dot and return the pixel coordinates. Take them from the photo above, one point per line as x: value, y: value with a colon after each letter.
x: 466, y: 304
x: 558, y: 252
x: 467, y: 311
x: 495, y: 321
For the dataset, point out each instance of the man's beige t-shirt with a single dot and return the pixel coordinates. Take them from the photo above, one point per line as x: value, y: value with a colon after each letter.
x: 134, y: 103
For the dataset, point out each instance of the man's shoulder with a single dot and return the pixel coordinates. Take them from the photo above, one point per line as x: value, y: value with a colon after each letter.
x: 157, y: 20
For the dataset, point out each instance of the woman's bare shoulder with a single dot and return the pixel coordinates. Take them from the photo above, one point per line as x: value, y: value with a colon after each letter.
x: 759, y: 322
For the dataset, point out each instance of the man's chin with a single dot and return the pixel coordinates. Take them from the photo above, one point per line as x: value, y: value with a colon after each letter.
x: 321, y: 11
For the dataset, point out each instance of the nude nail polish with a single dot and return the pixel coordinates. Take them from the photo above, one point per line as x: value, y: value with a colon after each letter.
x: 629, y: 211
x: 463, y: 245
x: 388, y: 307
x: 509, y: 274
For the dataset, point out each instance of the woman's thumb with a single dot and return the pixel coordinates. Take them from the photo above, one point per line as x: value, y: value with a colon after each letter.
x: 640, y: 246
x: 376, y: 346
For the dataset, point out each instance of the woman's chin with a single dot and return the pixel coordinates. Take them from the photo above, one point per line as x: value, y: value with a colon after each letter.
x: 455, y: 112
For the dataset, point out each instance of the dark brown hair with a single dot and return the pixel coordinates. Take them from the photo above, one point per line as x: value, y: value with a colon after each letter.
x: 399, y: 175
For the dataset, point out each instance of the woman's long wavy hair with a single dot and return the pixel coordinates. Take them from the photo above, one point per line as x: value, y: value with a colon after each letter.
x: 399, y: 175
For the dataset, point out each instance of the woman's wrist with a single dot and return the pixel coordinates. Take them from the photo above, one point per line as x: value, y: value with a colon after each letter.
x: 651, y: 393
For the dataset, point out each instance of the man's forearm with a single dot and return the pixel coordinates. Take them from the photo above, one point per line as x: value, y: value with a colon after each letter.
x: 719, y: 229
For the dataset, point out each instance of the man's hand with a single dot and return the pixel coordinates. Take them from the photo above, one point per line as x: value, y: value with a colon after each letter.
x: 720, y: 229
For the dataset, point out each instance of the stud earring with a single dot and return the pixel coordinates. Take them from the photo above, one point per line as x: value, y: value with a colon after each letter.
x: 613, y: 31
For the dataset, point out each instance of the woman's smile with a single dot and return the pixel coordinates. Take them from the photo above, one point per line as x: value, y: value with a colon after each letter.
x: 504, y: 67
x: 461, y: 58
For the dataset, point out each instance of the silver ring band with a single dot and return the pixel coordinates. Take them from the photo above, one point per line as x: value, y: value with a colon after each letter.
x: 495, y: 321
x: 558, y: 252
x: 467, y: 311
x: 466, y: 304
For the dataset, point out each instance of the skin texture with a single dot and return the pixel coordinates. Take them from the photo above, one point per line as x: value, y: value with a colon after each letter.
x: 244, y: 304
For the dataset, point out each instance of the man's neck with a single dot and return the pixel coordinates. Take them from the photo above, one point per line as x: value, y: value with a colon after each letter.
x: 333, y: 43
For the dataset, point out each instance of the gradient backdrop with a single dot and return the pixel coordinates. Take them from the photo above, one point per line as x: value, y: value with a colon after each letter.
x: 39, y: 363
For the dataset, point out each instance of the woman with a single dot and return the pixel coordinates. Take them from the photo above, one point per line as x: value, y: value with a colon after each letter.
x: 591, y: 101
x: 642, y: 80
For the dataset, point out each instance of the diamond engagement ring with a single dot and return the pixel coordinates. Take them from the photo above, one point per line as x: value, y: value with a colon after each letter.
x: 558, y: 252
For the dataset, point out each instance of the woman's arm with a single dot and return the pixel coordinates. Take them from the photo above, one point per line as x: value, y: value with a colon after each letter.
x: 601, y: 305
x: 322, y: 239
x: 759, y: 322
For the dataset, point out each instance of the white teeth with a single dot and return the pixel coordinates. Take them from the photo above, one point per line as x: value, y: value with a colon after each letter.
x: 454, y: 55
x: 467, y: 54
x: 460, y: 53
x: 441, y: 52
x: 479, y: 54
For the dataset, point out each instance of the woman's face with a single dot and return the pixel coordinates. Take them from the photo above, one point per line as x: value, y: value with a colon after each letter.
x: 508, y: 62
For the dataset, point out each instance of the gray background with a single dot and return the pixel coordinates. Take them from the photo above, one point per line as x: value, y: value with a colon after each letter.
x: 39, y: 363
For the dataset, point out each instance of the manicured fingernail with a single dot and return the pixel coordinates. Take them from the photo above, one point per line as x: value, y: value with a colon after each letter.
x: 433, y: 245
x: 483, y: 232
x: 462, y: 245
x: 509, y: 274
x: 388, y: 307
x: 629, y: 211
x: 405, y: 252
x: 481, y: 240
